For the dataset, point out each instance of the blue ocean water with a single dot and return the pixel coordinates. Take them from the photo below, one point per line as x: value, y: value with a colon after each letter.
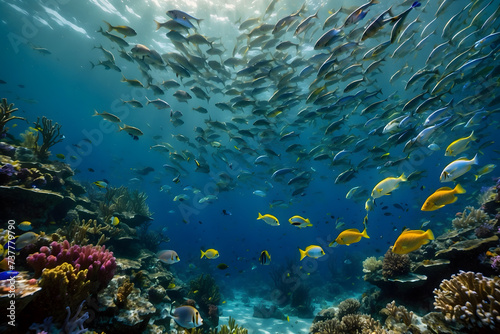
x: 64, y: 87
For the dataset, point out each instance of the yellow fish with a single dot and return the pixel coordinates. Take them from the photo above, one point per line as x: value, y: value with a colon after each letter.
x: 209, y: 254
x: 265, y: 258
x: 349, y: 236
x: 101, y: 184
x: 115, y: 221
x: 441, y: 197
x: 269, y: 219
x: 411, y: 240
x: 300, y: 222
x: 485, y: 170
x: 369, y: 204
x: 459, y: 146
x: 311, y: 251
x: 24, y: 226
x: 387, y: 185
x: 171, y: 286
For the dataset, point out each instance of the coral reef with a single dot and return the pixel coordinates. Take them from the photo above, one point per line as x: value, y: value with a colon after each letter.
x: 471, y: 218
x: 397, y: 315
x: 350, y: 324
x: 471, y: 300
x: 205, y: 292
x: 230, y: 328
x: 99, y: 262
x: 82, y: 232
x: 371, y: 264
x: 6, y: 111
x: 50, y: 136
x: 348, y: 306
x: 395, y: 265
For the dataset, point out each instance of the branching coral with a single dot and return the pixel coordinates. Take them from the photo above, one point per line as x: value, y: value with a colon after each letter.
x: 5, y: 115
x: 123, y: 292
x: 398, y: 313
x: 77, y: 232
x: 348, y: 306
x: 471, y: 300
x: 230, y: 328
x: 471, y: 217
x: 50, y: 136
x: 350, y: 324
x: 64, y: 286
x: 99, y: 261
x: 371, y: 264
x: 395, y: 264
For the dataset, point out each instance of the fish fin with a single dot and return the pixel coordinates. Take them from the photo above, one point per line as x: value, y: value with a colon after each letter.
x: 260, y: 216
x: 459, y: 189
x: 403, y: 177
x: 471, y: 137
x: 110, y: 27
x: 364, y: 234
x: 453, y: 200
x: 429, y: 234
x: 202, y: 254
x: 444, y: 188
x: 474, y: 160
x: 303, y: 254
x: 332, y: 244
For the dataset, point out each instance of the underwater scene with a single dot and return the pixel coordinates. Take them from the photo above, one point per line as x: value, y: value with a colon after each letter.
x: 262, y: 167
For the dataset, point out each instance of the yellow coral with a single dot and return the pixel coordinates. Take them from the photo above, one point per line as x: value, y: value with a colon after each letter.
x: 63, y: 287
x: 123, y: 292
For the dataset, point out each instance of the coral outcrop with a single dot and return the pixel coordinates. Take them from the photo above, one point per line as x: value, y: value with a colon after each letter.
x: 50, y: 136
x: 395, y: 265
x: 471, y: 300
x: 99, y: 262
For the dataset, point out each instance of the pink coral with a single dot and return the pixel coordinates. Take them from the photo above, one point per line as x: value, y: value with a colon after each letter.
x: 99, y: 261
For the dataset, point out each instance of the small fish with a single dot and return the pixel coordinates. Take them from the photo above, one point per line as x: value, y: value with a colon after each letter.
x: 60, y: 156
x: 209, y: 254
x: 265, y: 258
x: 107, y: 116
x: 259, y: 193
x: 171, y: 286
x: 457, y: 168
x: 459, y: 145
x: 269, y: 219
x: 168, y: 256
x: 101, y: 184
x: 441, y: 197
x: 386, y: 186
x: 187, y: 317
x: 411, y: 240
x: 299, y: 222
x: 369, y: 204
x: 226, y: 213
x: 5, y: 275
x: 26, y: 239
x: 115, y: 221
x: 124, y: 30
x: 311, y: 251
x: 25, y: 226
x: 222, y: 266
x: 349, y: 236
x: 485, y: 170
x: 133, y: 131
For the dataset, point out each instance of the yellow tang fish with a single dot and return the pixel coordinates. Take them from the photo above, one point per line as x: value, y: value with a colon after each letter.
x: 459, y: 146
x: 269, y: 219
x: 311, y: 251
x: 209, y: 254
x: 349, y: 236
x: 387, y: 185
x: 411, y: 240
x: 441, y: 197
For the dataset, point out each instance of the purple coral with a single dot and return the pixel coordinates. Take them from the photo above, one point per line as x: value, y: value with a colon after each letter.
x: 495, y: 262
x: 100, y: 262
x: 6, y: 173
x: 484, y: 231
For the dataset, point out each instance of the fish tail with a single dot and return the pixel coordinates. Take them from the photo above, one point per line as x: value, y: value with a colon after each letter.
x: 475, y: 161
x: 429, y: 234
x: 202, y: 254
x: 158, y: 24
x: 403, y: 177
x: 91, y: 64
x: 95, y: 113
x: 471, y: 137
x: 260, y: 216
x: 416, y: 4
x: 459, y: 189
x: 364, y: 234
x: 477, y: 177
x: 303, y: 254
x: 110, y: 27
